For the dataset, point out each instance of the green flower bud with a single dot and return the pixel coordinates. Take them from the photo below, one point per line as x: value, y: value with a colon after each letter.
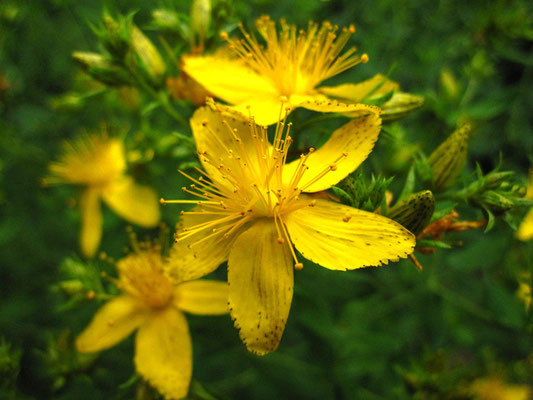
x: 414, y: 212
x: 115, y: 35
x: 71, y: 287
x: 200, y: 19
x: 148, y: 59
x: 448, y: 160
x: 449, y: 83
x: 400, y: 105
x: 167, y: 20
x: 495, y: 202
x: 102, y: 68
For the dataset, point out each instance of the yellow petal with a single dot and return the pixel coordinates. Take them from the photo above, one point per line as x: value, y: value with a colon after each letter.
x: 212, y: 129
x: 378, y: 85
x: 91, y: 221
x: 525, y: 231
x: 341, y: 237
x: 112, y: 323
x: 135, y: 203
x: 260, y: 275
x: 203, y: 297
x: 346, y: 149
x: 163, y: 354
x: 188, y: 261
x: 228, y: 79
x: 266, y: 110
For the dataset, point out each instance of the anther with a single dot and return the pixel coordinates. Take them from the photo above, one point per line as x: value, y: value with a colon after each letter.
x: 364, y: 58
x: 205, y: 122
x: 223, y: 35
x: 351, y: 28
x: 333, y: 167
x: 298, y: 266
x: 347, y: 217
x: 280, y: 240
x: 162, y: 201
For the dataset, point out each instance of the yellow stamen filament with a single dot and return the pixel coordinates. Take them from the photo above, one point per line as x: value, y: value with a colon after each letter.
x: 296, y: 61
x: 246, y: 182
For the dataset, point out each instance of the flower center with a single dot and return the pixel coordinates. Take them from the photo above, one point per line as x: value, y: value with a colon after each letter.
x: 94, y: 160
x: 142, y: 276
x: 296, y: 61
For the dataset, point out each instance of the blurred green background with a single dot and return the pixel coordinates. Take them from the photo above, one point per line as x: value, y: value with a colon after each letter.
x: 377, y: 333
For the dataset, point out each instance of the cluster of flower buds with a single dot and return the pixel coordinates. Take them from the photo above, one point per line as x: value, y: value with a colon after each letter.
x: 131, y: 58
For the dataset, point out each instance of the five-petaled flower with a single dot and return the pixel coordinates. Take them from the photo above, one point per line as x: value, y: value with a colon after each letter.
x: 98, y: 163
x: 153, y: 303
x: 288, y: 69
x: 253, y: 211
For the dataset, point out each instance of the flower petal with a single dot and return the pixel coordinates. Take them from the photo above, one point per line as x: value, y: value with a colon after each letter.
x: 525, y: 231
x: 355, y: 140
x: 202, y: 297
x: 163, y: 353
x: 188, y: 261
x: 212, y: 129
x: 340, y: 237
x: 112, y: 323
x: 135, y: 203
x: 265, y: 109
x: 227, y: 78
x: 356, y: 92
x: 260, y: 275
x: 91, y: 221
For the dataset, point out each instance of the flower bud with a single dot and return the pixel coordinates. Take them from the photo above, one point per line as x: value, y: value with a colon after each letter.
x: 148, y: 59
x: 101, y: 68
x: 495, y: 202
x: 449, y: 83
x: 400, y: 105
x: 167, y: 20
x: 200, y: 19
x: 448, y: 160
x: 414, y: 212
x: 71, y: 288
x: 115, y: 35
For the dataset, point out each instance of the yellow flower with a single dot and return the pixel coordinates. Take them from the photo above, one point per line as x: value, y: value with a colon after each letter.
x: 97, y: 162
x: 525, y: 231
x: 493, y: 388
x: 154, y: 306
x: 288, y: 69
x: 253, y: 209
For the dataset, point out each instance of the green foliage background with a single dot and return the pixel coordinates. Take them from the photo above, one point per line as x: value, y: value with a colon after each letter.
x: 377, y: 333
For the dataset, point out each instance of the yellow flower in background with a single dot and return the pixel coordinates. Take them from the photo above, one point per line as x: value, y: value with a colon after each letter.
x: 287, y: 70
x: 525, y: 231
x: 253, y: 211
x: 493, y: 388
x: 98, y: 163
x: 154, y: 306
